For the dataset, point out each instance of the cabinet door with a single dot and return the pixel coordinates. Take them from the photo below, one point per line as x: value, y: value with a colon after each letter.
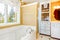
x: 45, y: 28
x: 55, y: 30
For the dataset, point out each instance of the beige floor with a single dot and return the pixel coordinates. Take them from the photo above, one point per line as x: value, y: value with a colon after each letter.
x: 42, y: 37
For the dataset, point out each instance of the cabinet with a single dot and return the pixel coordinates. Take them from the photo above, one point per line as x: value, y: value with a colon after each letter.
x: 45, y: 28
x: 55, y: 30
x: 44, y: 22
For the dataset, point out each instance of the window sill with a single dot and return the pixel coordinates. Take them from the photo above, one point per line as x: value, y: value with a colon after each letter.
x: 4, y: 25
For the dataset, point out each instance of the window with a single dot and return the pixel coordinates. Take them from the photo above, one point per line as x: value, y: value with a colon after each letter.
x: 9, y: 14
x: 2, y: 13
x: 12, y: 15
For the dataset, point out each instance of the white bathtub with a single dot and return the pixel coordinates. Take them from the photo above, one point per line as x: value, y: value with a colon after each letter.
x: 21, y: 32
x: 29, y: 33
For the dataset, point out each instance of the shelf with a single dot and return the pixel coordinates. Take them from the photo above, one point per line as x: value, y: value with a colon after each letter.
x: 45, y: 12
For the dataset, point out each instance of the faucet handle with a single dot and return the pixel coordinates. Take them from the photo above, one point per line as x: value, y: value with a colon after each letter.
x: 29, y: 30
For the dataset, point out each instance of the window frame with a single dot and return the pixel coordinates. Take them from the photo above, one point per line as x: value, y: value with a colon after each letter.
x: 6, y: 18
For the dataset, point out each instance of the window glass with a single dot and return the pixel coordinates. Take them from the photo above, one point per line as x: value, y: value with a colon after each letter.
x: 12, y: 15
x: 2, y: 6
x: 9, y: 14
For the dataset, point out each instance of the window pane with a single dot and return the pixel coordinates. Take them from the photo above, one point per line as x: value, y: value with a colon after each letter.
x: 2, y: 13
x: 11, y: 14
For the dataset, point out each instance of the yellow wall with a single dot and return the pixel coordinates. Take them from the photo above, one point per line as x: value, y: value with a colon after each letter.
x: 54, y: 0
x: 52, y: 10
x: 29, y: 15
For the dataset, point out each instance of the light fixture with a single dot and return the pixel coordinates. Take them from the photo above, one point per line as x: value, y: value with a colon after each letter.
x: 57, y: 12
x: 56, y: 7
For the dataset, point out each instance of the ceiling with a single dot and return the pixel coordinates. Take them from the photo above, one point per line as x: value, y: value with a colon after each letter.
x: 44, y: 1
x: 35, y: 0
x: 54, y: 0
x: 30, y: 0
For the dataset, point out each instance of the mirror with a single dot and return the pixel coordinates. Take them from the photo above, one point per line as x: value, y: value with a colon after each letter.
x: 57, y: 14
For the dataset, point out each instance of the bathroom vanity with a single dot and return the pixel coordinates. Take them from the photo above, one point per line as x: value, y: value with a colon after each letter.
x: 52, y: 25
x: 55, y: 19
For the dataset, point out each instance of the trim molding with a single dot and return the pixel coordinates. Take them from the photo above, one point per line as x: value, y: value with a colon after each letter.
x: 45, y: 34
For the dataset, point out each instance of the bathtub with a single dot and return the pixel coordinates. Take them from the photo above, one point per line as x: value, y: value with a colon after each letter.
x: 21, y: 32
x: 29, y: 33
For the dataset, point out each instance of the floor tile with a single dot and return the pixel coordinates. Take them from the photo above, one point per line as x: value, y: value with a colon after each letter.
x: 43, y: 37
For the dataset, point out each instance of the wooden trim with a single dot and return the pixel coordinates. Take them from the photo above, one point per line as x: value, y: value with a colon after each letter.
x: 45, y: 34
x: 55, y: 1
x: 37, y: 22
x: 8, y: 26
x: 55, y: 38
x: 29, y: 4
x: 20, y: 0
x: 50, y: 36
x: 21, y: 15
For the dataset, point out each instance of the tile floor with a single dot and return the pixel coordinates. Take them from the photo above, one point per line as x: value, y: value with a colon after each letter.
x: 42, y: 37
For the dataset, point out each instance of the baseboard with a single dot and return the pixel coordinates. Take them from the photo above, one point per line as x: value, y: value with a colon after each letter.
x: 55, y: 38
x: 50, y: 36
x: 45, y: 34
